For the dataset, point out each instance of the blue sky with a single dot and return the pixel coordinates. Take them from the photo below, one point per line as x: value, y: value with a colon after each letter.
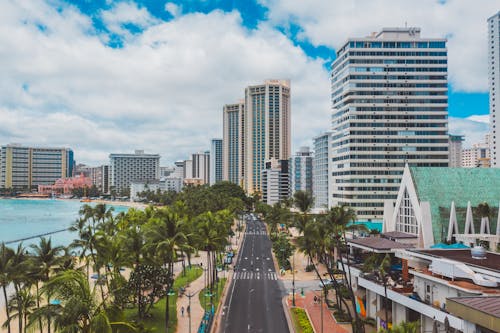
x: 460, y: 104
x: 106, y: 76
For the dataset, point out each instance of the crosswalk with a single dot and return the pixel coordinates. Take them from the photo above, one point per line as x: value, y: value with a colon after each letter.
x: 258, y: 232
x: 246, y: 275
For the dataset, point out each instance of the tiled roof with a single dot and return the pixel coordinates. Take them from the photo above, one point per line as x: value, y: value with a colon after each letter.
x: 378, y: 243
x: 441, y: 186
x: 489, y: 305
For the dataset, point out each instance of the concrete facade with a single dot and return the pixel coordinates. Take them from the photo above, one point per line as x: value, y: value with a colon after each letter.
x: 322, y: 169
x: 275, y: 181
x: 301, y: 171
x: 267, y: 127
x: 126, y: 168
x: 233, y: 142
x: 389, y: 98
x: 24, y: 167
x: 215, y: 161
x: 455, y: 150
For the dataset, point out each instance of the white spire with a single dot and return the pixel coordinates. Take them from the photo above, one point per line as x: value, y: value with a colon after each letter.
x: 452, y: 225
x: 469, y: 222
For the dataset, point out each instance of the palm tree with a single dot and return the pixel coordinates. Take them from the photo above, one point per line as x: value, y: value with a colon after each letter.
x: 79, y: 309
x: 6, y: 255
x: 339, y: 220
x: 18, y: 274
x: 164, y: 237
x: 21, y: 306
x: 43, y: 261
x: 303, y: 201
x: 383, y: 271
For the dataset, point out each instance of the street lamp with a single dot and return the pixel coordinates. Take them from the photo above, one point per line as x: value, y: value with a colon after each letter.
x: 293, y: 279
x: 189, y: 296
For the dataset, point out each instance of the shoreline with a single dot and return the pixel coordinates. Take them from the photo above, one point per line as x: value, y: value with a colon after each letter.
x: 129, y: 204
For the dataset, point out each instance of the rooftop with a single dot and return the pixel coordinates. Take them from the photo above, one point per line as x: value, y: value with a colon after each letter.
x: 398, y: 235
x: 491, y: 262
x: 378, y: 244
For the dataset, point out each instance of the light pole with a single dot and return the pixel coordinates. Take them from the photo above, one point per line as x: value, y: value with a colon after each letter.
x: 293, y: 279
x: 189, y: 296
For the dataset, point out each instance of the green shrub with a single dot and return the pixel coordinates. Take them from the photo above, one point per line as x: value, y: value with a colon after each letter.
x: 301, y: 321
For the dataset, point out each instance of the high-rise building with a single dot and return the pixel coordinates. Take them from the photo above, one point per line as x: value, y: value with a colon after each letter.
x: 27, y: 167
x: 188, y: 169
x: 477, y: 156
x: 322, y: 167
x: 215, y: 161
x: 494, y: 82
x: 455, y: 149
x: 301, y: 171
x: 126, y: 168
x: 267, y: 129
x: 233, y: 142
x: 201, y: 166
x: 275, y: 181
x: 389, y: 94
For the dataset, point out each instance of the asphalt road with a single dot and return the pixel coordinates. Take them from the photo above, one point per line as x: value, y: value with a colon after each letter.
x: 254, y: 303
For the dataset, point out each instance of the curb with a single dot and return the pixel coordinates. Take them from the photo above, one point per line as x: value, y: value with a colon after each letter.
x: 288, y: 315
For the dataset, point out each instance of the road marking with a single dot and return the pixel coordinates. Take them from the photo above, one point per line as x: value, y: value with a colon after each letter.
x: 269, y: 269
x: 246, y: 258
x: 257, y: 258
x: 268, y: 258
x: 257, y: 269
x: 243, y: 269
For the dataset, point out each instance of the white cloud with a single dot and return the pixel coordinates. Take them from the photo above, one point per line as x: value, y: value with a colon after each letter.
x: 173, y: 9
x: 463, y: 22
x: 162, y: 92
x: 474, y: 128
x: 484, y: 118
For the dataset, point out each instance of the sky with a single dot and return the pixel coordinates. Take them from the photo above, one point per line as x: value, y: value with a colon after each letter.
x: 105, y: 77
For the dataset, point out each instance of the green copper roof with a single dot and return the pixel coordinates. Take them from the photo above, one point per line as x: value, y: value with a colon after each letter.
x: 441, y: 186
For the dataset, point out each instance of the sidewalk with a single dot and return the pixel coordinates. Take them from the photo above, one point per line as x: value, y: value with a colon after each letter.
x: 196, y: 309
x: 314, y: 311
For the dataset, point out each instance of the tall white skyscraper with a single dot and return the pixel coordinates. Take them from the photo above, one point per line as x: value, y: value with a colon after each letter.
x: 267, y: 129
x: 215, y: 161
x: 301, y: 171
x: 233, y: 142
x: 322, y: 169
x: 389, y: 107
x: 494, y: 81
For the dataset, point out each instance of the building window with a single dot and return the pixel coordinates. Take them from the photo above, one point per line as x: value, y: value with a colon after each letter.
x: 406, y: 221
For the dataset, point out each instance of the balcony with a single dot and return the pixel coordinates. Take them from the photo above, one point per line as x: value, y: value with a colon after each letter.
x: 401, y: 296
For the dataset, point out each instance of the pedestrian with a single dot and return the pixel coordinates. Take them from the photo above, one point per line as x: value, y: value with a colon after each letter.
x: 182, y: 311
x: 188, y: 311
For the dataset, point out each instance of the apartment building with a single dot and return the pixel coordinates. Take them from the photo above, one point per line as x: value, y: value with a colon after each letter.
x: 389, y: 96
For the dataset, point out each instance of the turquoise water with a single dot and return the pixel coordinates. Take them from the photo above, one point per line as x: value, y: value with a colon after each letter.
x: 20, y: 219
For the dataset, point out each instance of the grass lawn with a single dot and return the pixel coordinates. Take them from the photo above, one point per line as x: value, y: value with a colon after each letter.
x: 301, y: 321
x: 156, y: 323
x: 205, y: 300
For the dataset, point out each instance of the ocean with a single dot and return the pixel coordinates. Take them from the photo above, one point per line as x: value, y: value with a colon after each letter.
x: 21, y: 219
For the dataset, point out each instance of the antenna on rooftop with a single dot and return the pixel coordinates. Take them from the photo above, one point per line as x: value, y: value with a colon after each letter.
x: 406, y: 24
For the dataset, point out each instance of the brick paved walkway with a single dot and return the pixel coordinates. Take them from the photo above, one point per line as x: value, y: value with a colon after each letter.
x: 314, y: 311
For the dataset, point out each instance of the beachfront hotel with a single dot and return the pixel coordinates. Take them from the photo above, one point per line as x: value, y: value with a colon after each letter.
x: 126, y: 168
x: 24, y: 167
x: 389, y: 95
